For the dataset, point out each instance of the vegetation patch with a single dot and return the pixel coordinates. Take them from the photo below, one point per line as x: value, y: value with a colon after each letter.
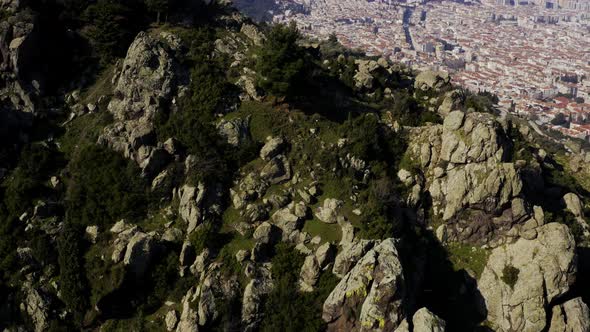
x: 466, y: 257
x: 510, y: 275
x: 328, y: 232
x: 286, y: 308
x: 113, y: 189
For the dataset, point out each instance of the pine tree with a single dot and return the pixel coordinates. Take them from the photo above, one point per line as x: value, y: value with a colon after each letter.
x: 109, y: 28
x: 281, y: 62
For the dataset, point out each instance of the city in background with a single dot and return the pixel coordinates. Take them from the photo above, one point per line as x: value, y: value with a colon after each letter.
x: 535, y: 56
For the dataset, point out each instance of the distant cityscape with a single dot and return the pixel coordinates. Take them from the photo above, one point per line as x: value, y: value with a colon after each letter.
x: 534, y: 55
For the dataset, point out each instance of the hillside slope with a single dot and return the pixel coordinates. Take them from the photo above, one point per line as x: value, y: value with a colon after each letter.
x: 217, y: 175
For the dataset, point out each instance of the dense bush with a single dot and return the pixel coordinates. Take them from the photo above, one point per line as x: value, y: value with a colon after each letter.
x: 27, y: 182
x: 408, y: 112
x: 9, y: 232
x: 363, y: 134
x: 193, y: 123
x: 287, y: 309
x: 381, y: 205
x: 110, y: 28
x: 481, y: 102
x: 72, y: 283
x: 104, y: 187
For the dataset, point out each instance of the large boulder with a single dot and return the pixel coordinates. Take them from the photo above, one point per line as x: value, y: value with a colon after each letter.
x: 171, y: 320
x: 235, y: 131
x: 364, y: 77
x: 189, y: 318
x: 273, y: 147
x: 349, y: 255
x: 432, y: 80
x: 139, y: 253
x: 328, y: 213
x: 123, y: 234
x: 314, y: 264
x: 452, y: 101
x: 521, y: 279
x: 202, y: 304
x: 574, y: 205
x: 375, y: 285
x: 288, y: 221
x: 253, y: 33
x: 20, y: 60
x: 190, y: 206
x: 425, y: 321
x: 571, y: 316
x: 267, y: 233
x: 277, y: 170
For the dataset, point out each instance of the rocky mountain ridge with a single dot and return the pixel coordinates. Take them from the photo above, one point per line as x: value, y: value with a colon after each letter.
x: 372, y: 201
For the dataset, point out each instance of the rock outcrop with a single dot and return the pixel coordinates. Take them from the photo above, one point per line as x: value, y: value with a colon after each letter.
x: 201, y: 305
x: 255, y: 291
x: 197, y: 204
x: 314, y: 264
x: 349, y: 255
x: 273, y: 147
x: 19, y: 38
x: 522, y: 279
x: 149, y: 78
x: 574, y: 205
x: 375, y: 285
x: 468, y: 176
x: 36, y: 306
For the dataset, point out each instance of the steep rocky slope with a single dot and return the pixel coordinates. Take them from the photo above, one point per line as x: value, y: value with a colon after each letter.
x: 179, y: 190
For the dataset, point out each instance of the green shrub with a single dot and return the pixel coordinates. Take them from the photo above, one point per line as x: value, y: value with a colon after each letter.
x: 510, y: 275
x: 363, y: 134
x: 202, y: 237
x: 193, y: 123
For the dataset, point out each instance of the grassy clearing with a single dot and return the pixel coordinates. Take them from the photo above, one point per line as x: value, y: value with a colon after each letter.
x: 466, y: 257
x: 335, y: 188
x: 239, y: 243
x: 102, y: 87
x: 154, y: 222
x: 328, y: 232
x: 230, y: 217
x: 262, y: 117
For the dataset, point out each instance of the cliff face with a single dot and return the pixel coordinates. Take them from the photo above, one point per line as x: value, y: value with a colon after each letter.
x: 181, y: 191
